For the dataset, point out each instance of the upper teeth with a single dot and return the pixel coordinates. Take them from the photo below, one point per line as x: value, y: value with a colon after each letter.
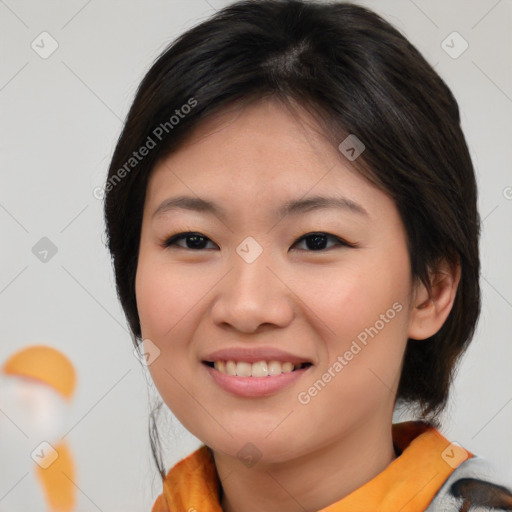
x: 259, y: 369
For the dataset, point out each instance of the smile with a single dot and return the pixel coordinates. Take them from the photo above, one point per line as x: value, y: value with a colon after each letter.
x: 257, y: 369
x: 255, y: 379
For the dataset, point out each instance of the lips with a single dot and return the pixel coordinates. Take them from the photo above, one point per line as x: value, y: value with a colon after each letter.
x: 251, y: 372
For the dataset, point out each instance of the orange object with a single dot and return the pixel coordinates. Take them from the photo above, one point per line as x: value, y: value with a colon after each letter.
x: 408, y: 484
x: 58, y: 481
x: 45, y: 364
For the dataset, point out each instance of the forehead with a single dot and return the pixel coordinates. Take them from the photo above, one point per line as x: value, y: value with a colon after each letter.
x: 259, y: 154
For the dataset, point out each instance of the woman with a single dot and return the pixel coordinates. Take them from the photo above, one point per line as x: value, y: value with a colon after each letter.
x: 291, y: 212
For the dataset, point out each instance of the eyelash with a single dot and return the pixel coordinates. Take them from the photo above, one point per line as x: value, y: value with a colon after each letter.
x: 172, y: 240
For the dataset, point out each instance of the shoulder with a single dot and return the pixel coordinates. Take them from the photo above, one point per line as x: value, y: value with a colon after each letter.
x: 474, y: 486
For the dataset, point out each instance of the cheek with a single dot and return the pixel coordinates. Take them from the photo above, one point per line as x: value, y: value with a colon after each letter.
x: 363, y: 316
x: 361, y: 309
x: 165, y: 296
x: 153, y: 294
x: 348, y: 298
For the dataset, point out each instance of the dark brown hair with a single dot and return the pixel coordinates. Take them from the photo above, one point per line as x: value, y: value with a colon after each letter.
x: 355, y: 74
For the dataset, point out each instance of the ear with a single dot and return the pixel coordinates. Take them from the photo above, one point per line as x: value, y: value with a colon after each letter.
x: 430, y: 310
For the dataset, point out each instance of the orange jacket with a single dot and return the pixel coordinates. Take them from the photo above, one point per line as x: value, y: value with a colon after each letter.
x: 408, y: 484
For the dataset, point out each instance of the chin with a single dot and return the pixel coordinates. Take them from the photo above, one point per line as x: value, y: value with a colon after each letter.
x: 256, y: 447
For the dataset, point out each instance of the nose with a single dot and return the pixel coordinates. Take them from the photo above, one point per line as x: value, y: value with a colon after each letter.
x: 253, y: 297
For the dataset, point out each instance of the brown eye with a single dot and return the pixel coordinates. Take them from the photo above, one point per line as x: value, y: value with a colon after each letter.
x: 193, y: 241
x: 317, y: 241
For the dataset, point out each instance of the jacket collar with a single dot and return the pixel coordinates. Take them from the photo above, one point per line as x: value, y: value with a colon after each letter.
x: 408, y: 484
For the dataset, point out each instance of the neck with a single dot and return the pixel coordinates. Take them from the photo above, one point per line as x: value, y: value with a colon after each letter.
x: 311, y: 482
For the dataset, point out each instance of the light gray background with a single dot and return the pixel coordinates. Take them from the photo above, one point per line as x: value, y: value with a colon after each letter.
x: 60, y: 119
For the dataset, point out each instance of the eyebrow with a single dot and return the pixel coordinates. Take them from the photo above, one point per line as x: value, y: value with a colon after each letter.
x: 292, y: 207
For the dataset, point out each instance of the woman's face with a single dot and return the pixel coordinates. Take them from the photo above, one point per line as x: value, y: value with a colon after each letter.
x: 247, y: 294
